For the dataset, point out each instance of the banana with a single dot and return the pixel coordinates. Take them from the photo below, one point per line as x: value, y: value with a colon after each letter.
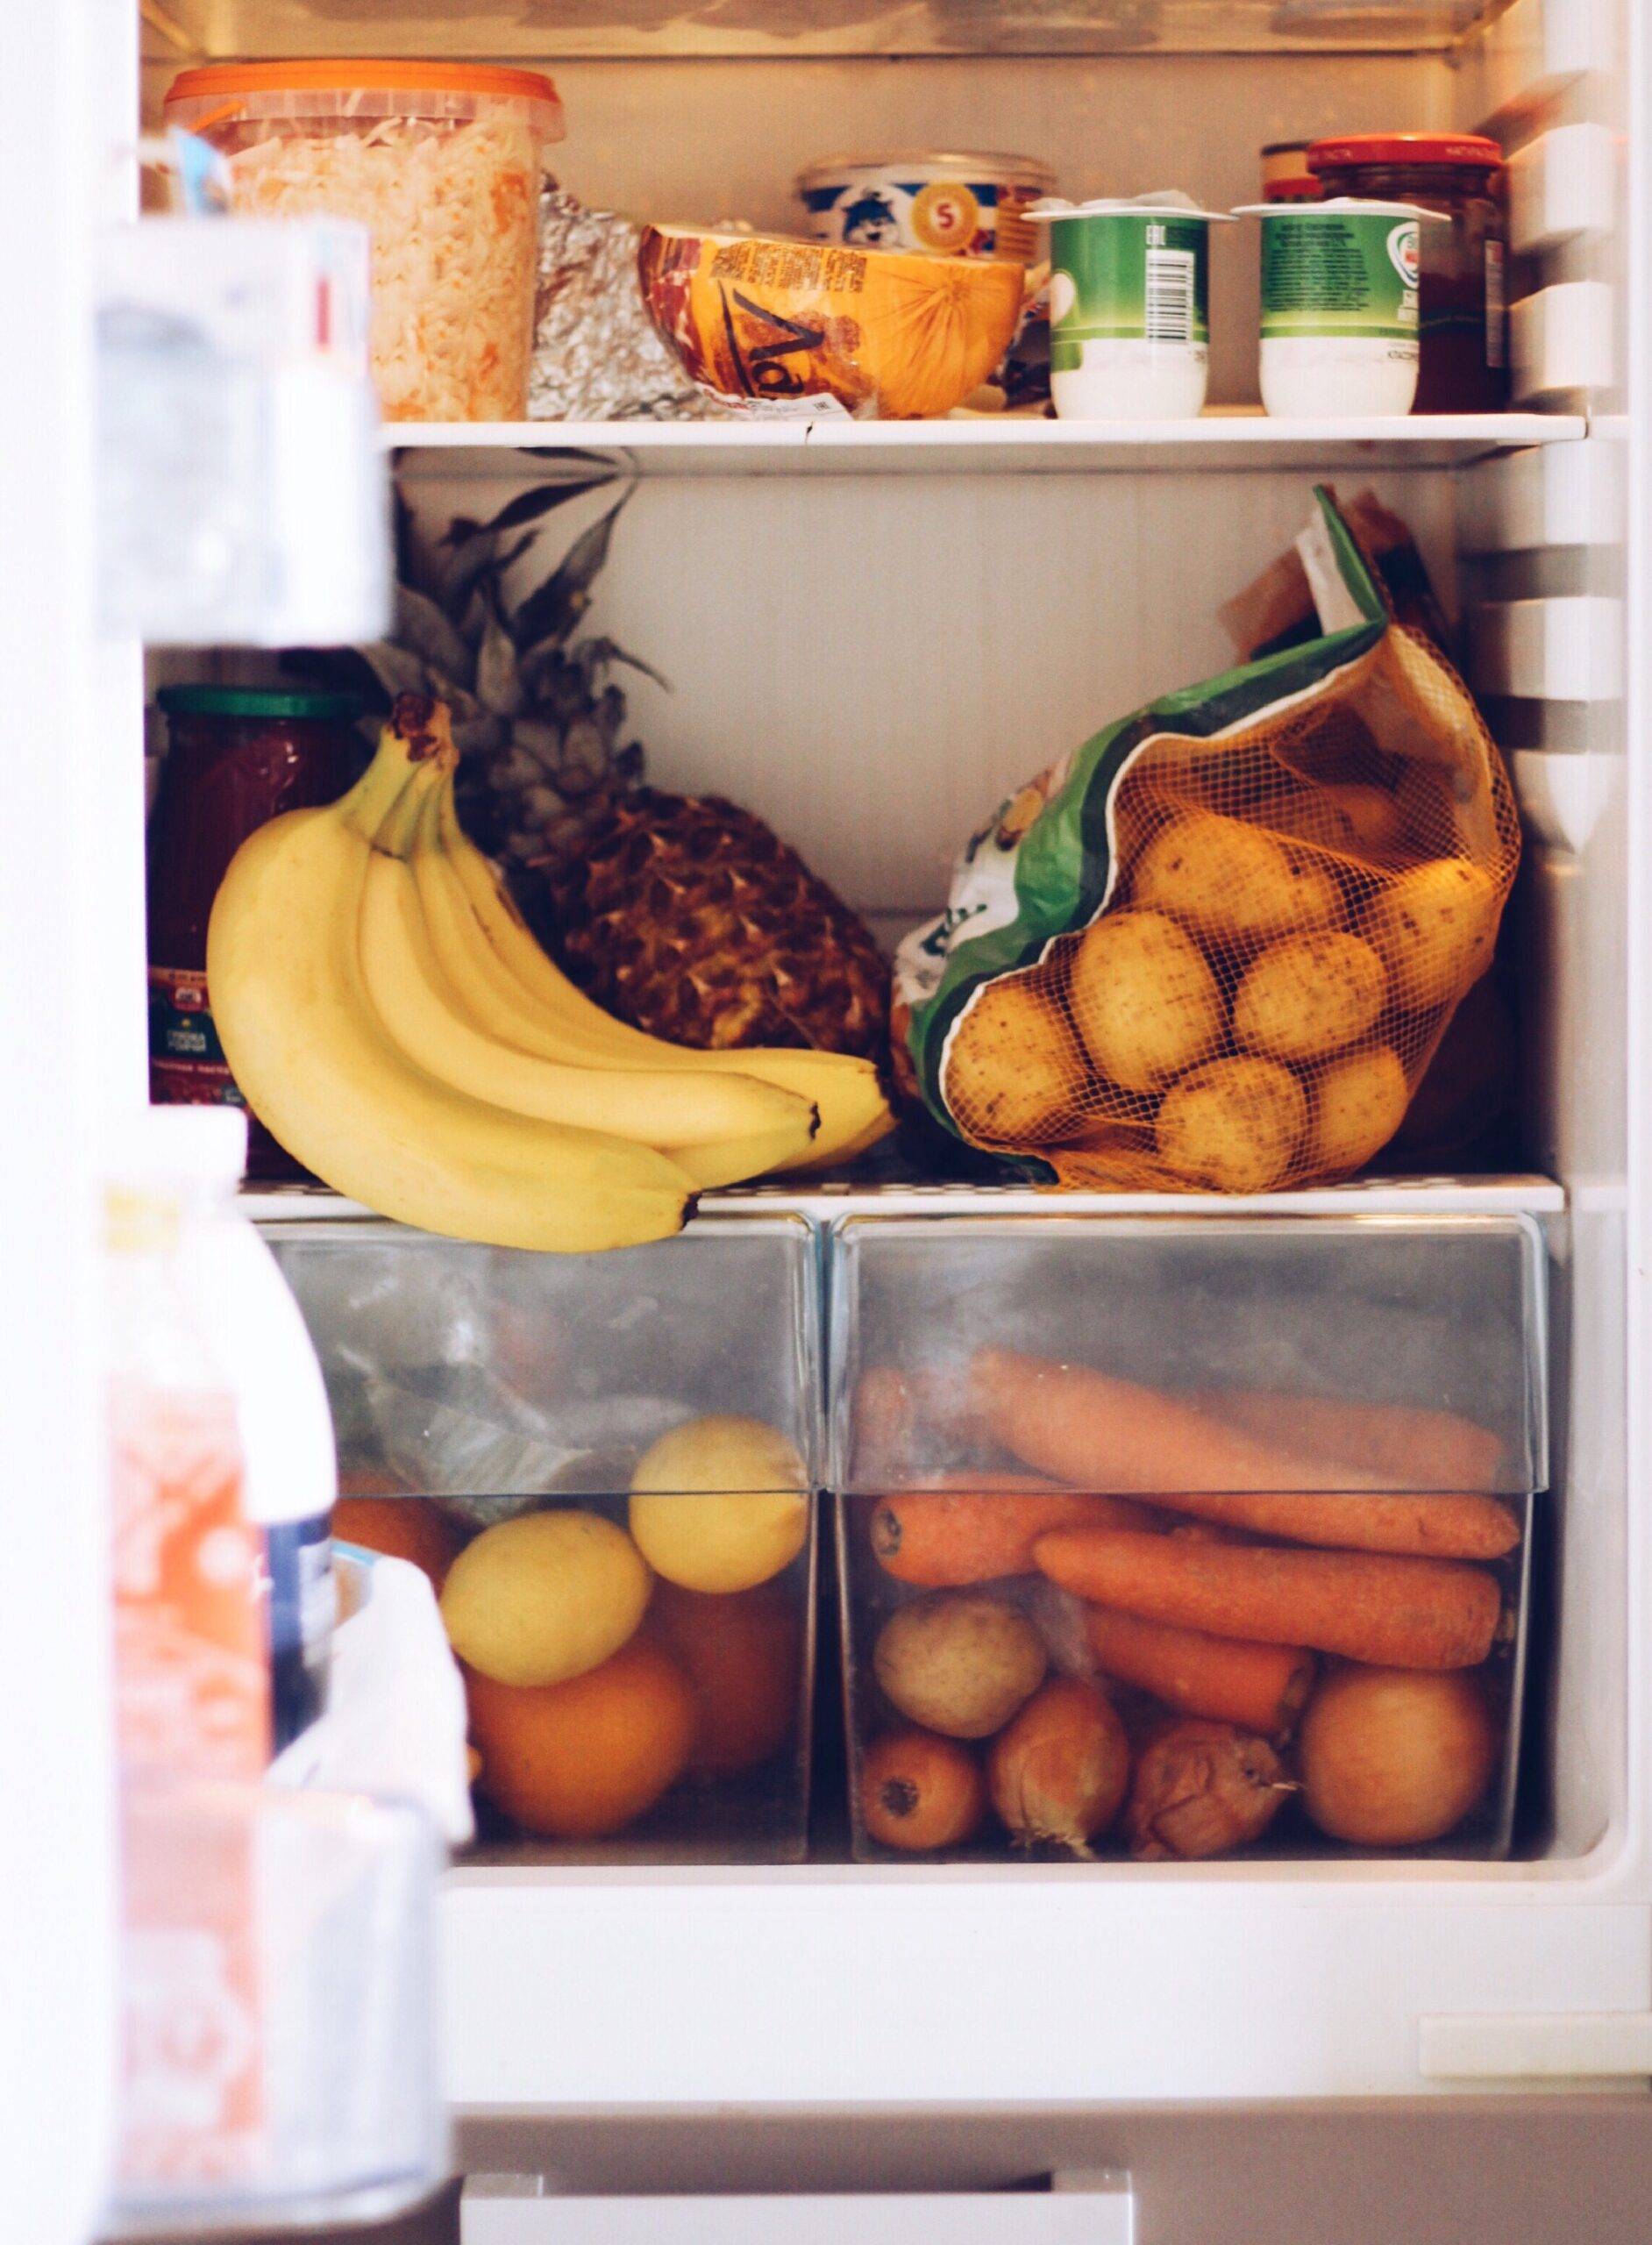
x: 496, y: 1000
x: 854, y: 1114
x: 422, y: 1012
x: 307, y: 1050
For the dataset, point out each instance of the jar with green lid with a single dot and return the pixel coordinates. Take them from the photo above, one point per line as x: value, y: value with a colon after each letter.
x: 1462, y: 303
x: 237, y: 757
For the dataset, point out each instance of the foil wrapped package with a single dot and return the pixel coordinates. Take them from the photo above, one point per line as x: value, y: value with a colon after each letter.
x: 596, y: 354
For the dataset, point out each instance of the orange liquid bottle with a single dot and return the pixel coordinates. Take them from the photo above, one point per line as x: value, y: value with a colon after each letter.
x: 192, y: 1699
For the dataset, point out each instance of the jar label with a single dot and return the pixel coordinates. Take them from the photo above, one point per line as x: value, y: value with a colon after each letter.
x: 187, y: 1067
x: 1340, y: 273
x: 1120, y: 277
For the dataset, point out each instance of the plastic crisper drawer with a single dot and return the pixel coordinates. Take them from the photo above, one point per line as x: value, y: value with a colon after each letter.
x: 606, y: 1465
x: 1262, y: 1485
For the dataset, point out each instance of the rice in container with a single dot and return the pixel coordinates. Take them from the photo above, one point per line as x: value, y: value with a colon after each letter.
x: 945, y: 203
x: 1339, y: 307
x: 1130, y: 307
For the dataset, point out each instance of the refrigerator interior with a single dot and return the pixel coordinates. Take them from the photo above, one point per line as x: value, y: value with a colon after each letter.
x: 871, y: 643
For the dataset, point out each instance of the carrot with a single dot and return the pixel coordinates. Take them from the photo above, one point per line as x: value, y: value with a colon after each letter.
x: 972, y: 1528
x: 901, y: 1418
x: 1443, y: 1526
x: 919, y: 1792
x: 1398, y: 1444
x: 1260, y: 1687
x: 1095, y: 1432
x: 1394, y: 1613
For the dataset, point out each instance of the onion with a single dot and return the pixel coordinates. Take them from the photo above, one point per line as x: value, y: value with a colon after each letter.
x: 1203, y: 1789
x: 1058, y: 1773
x: 1394, y: 1757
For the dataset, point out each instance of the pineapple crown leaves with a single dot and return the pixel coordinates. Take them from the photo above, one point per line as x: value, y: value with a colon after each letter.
x: 506, y: 669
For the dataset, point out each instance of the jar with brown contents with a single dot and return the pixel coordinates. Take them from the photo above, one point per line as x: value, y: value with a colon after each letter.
x: 236, y: 758
x: 1463, y: 316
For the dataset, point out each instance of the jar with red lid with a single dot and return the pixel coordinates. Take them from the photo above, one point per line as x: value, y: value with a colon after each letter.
x: 1462, y: 303
x: 236, y: 758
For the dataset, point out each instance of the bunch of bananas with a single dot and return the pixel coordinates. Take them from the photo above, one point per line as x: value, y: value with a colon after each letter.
x: 393, y: 1021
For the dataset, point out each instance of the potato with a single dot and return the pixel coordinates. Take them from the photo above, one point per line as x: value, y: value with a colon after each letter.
x: 1232, y: 882
x: 1144, y: 1000
x: 1372, y: 820
x: 1435, y: 928
x: 1427, y: 808
x: 1390, y: 1758
x: 1346, y: 814
x: 1358, y: 1104
x: 1309, y: 996
x: 1013, y: 1073
x: 1234, y: 1125
x: 961, y: 1665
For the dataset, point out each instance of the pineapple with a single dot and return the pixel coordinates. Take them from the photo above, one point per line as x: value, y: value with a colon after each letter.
x: 683, y: 915
x: 689, y: 917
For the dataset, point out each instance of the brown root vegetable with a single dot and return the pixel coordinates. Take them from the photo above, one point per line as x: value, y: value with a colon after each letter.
x: 981, y: 1525
x: 900, y: 1417
x: 1263, y: 1687
x: 1060, y: 1771
x: 1144, y: 1000
x: 1366, y: 1606
x: 1447, y: 1525
x: 1233, y: 1125
x: 1014, y: 1073
x: 1392, y: 1758
x: 1202, y: 1789
x: 961, y: 1665
x: 919, y: 1792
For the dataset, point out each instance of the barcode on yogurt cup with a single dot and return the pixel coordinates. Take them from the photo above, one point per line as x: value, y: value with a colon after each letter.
x: 1170, y: 299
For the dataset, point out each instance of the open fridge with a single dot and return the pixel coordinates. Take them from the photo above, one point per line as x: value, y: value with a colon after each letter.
x: 873, y: 630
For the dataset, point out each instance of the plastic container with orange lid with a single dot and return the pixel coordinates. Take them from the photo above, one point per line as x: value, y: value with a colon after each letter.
x: 443, y: 164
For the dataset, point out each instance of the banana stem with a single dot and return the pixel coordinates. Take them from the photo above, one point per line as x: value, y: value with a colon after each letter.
x: 372, y: 802
x: 398, y: 831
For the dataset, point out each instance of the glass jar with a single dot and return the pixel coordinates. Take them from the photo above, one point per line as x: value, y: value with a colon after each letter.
x: 1461, y: 302
x: 236, y: 758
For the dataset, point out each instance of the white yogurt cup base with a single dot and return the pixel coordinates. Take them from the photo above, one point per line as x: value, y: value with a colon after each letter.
x: 1337, y: 378
x: 1125, y: 379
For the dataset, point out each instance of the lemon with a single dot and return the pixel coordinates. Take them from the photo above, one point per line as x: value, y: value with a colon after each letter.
x: 544, y: 1597
x: 720, y: 1504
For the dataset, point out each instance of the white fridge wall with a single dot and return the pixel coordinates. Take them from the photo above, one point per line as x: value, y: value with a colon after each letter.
x: 877, y: 662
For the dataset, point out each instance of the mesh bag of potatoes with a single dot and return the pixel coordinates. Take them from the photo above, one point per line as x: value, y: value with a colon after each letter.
x: 1215, y: 949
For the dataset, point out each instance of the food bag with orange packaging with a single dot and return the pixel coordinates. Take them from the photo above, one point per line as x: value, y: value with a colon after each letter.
x: 1216, y: 948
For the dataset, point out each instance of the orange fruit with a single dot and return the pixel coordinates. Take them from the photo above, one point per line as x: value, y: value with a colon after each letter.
x: 577, y: 1760
x: 403, y: 1528
x: 740, y: 1655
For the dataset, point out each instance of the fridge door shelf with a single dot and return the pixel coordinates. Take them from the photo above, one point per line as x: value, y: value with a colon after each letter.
x: 279, y: 2017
